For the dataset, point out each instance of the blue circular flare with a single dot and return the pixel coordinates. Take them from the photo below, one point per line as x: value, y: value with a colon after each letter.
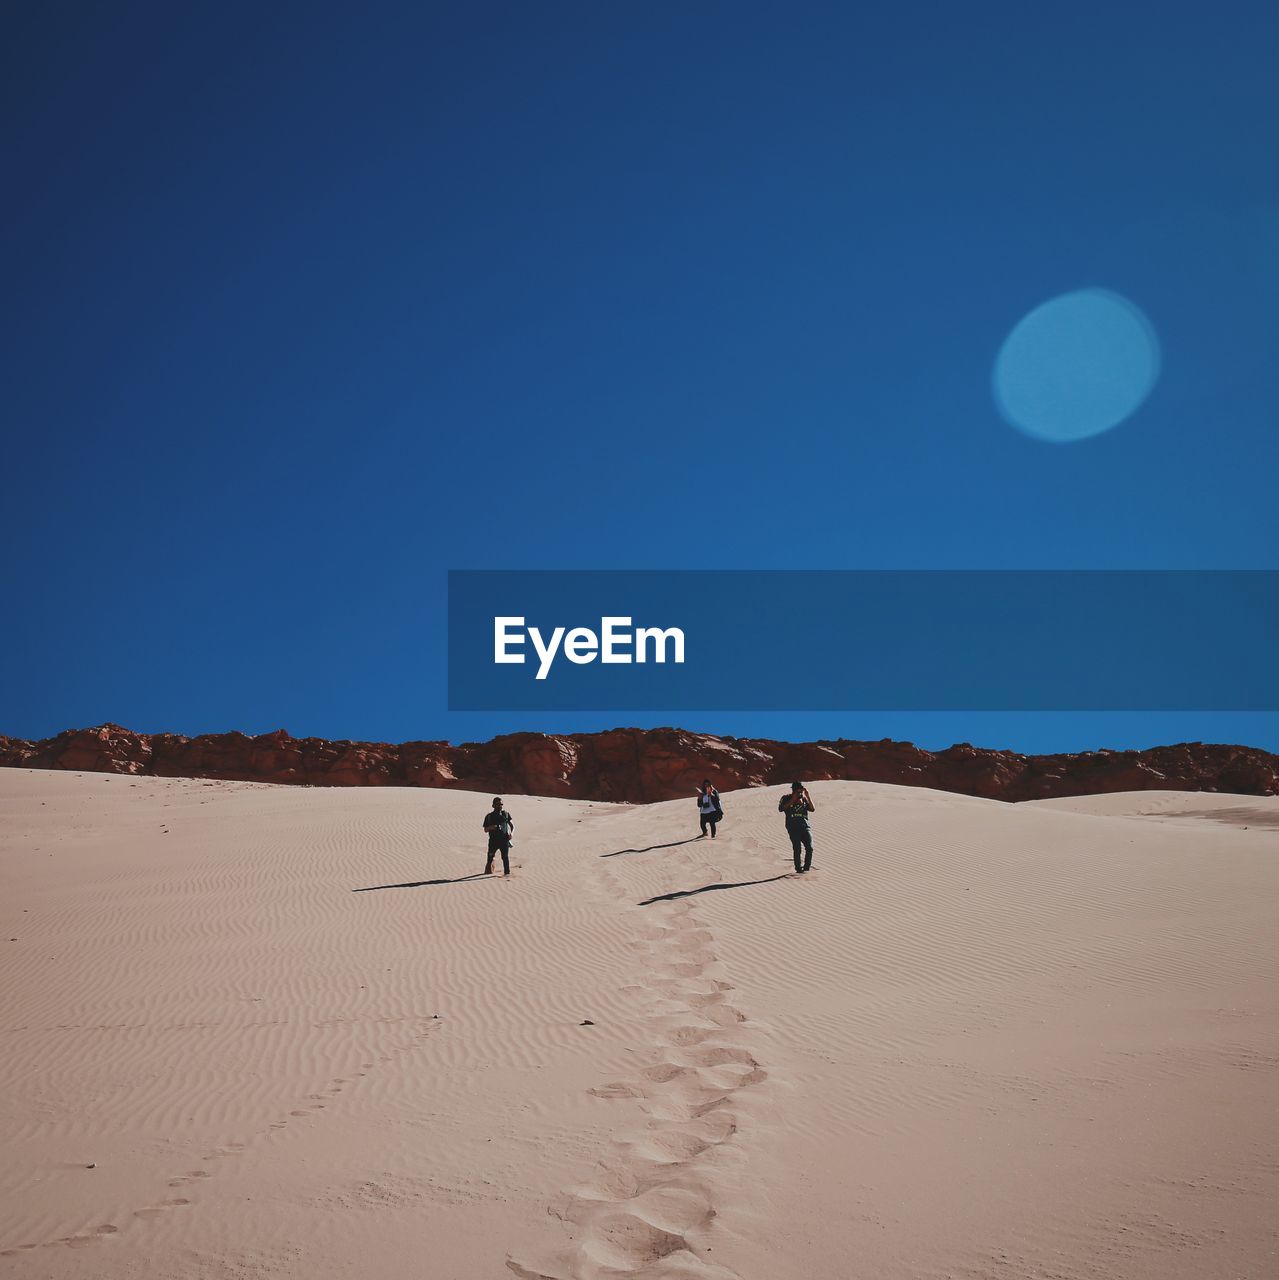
x: 1076, y: 366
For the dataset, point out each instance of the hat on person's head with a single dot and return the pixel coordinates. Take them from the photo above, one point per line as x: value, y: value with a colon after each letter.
x: 497, y: 799
x: 797, y: 786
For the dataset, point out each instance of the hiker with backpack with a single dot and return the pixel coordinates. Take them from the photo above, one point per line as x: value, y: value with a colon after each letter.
x: 499, y: 824
x: 797, y: 806
x: 710, y: 809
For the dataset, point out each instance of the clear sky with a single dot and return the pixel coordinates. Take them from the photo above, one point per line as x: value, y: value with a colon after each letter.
x: 306, y: 304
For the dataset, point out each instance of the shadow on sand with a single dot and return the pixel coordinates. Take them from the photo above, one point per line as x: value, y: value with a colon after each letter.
x: 422, y: 884
x: 710, y: 888
x: 674, y: 844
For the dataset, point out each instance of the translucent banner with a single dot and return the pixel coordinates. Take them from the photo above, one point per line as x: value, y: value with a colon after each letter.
x: 819, y: 640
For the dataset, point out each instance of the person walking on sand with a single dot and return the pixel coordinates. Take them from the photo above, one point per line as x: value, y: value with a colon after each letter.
x: 499, y: 824
x: 797, y: 806
x: 709, y: 808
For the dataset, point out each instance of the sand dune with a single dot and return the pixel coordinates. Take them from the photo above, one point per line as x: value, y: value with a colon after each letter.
x: 297, y: 1035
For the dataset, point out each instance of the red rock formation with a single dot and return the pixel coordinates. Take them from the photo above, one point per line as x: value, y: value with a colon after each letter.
x: 641, y: 765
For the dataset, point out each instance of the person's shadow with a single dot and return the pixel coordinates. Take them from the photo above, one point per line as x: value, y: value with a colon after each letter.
x: 422, y: 884
x: 711, y: 888
x: 674, y: 844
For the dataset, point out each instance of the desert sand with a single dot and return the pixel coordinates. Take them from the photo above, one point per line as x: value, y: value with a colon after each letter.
x: 255, y: 1031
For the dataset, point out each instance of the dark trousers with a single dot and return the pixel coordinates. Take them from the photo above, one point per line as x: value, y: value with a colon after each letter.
x: 498, y: 843
x: 709, y: 820
x: 801, y: 836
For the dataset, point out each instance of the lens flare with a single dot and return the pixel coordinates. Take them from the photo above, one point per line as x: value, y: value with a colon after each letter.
x: 1076, y: 366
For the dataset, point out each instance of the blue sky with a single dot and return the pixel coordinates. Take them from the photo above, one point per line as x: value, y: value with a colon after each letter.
x: 307, y: 305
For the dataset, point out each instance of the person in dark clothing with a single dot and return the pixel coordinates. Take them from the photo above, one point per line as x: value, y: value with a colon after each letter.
x: 499, y: 824
x: 797, y: 806
x: 709, y: 808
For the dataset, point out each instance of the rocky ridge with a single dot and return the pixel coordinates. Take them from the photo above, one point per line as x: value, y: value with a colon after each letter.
x: 643, y: 765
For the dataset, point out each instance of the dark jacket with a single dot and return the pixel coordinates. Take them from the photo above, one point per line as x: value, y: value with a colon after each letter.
x: 499, y: 821
x: 795, y: 809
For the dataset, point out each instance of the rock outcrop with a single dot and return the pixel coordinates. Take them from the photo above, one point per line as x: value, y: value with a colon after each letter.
x: 643, y: 765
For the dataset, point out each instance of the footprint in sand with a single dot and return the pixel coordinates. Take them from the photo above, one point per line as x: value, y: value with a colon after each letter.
x: 618, y: 1089
x: 227, y: 1149
x: 664, y: 1072
x: 155, y: 1210
x: 83, y: 1242
x: 691, y: 1035
x: 722, y: 1015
